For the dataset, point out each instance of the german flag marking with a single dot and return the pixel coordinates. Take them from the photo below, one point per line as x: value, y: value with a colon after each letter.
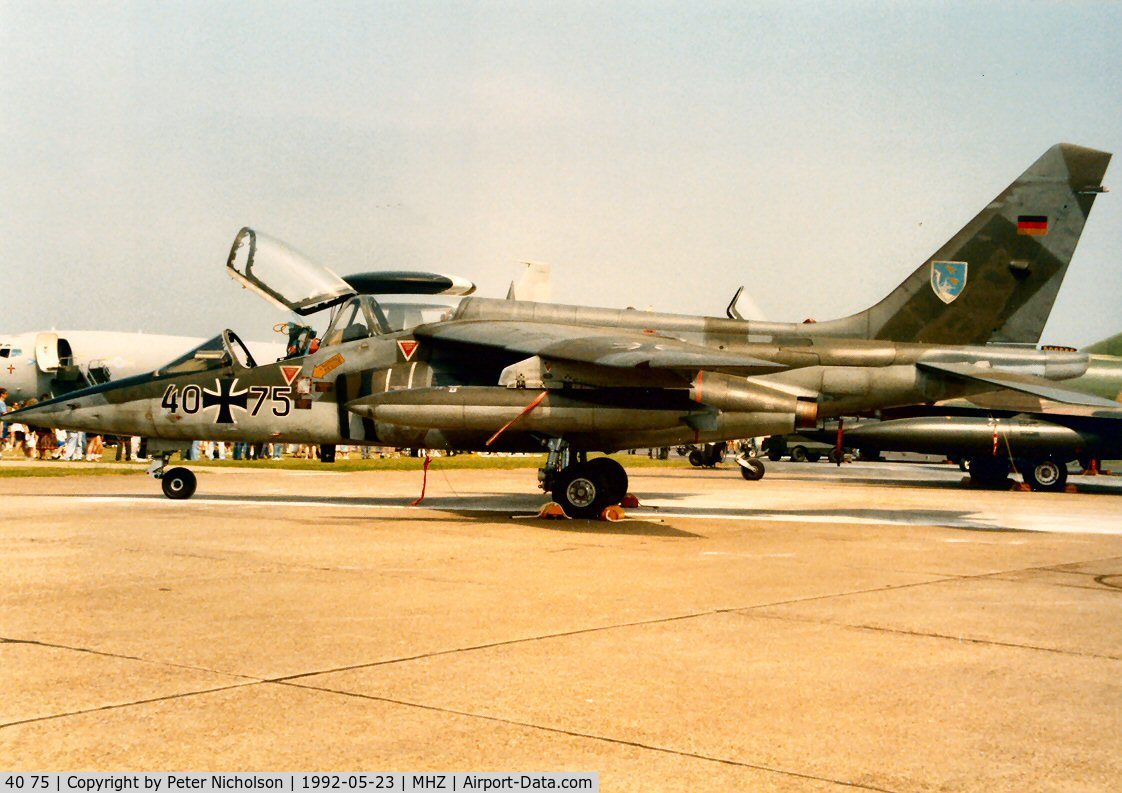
x: 1032, y: 225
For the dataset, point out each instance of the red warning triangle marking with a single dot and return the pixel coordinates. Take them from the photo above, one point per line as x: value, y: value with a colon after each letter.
x: 408, y: 347
x: 289, y: 373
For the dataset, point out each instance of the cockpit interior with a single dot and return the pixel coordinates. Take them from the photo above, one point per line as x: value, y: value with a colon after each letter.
x: 221, y: 351
x: 363, y: 316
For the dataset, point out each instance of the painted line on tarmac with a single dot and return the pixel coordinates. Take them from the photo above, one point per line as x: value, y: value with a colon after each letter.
x: 978, y: 522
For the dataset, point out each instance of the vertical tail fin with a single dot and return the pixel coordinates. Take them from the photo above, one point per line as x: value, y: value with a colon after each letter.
x: 997, y: 279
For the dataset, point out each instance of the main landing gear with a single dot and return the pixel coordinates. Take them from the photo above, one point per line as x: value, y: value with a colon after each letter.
x: 583, y: 487
x: 1045, y: 474
x: 177, y: 482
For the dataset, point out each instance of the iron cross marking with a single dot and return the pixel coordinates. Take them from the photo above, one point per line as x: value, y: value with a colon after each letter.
x: 224, y: 398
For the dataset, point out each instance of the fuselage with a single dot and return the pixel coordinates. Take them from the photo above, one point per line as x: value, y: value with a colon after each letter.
x: 403, y: 389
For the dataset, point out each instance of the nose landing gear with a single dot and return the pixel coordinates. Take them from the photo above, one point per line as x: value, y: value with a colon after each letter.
x: 178, y: 482
x: 751, y: 468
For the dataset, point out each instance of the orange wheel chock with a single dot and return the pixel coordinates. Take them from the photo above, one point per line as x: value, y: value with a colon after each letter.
x: 551, y: 510
x: 613, y: 513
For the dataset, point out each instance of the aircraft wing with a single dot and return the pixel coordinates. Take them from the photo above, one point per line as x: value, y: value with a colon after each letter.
x: 1027, y: 384
x: 607, y: 347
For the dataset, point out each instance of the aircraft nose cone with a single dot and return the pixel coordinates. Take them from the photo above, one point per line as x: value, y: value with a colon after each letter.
x: 37, y: 415
x: 59, y: 413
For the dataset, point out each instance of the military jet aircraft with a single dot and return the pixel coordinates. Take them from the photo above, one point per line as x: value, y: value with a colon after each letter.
x: 507, y: 375
x: 997, y: 432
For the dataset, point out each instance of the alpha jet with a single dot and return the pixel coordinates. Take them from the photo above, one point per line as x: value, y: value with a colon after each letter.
x: 472, y: 373
x: 999, y: 431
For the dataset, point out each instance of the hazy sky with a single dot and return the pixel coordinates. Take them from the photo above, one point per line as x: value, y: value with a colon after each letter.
x: 656, y: 154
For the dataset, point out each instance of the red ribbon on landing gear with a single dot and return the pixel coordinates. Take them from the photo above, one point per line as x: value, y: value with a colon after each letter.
x: 424, y: 482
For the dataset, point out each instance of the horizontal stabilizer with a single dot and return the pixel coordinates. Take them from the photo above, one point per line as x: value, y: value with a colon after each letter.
x: 1111, y: 346
x: 608, y: 347
x: 1027, y: 384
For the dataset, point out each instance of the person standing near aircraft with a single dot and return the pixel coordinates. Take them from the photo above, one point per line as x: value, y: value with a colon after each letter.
x: 45, y: 442
x: 3, y: 410
x: 20, y: 432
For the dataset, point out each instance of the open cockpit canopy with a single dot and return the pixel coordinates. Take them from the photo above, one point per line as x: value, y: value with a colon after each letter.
x: 223, y: 350
x: 290, y: 280
x: 282, y: 275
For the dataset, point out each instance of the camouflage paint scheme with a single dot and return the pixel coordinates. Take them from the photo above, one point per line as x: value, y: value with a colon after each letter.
x: 1029, y: 427
x: 518, y: 376
x: 1013, y: 278
x: 614, y: 379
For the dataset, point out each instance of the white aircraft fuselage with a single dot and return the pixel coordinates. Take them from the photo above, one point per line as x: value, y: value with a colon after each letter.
x: 56, y: 361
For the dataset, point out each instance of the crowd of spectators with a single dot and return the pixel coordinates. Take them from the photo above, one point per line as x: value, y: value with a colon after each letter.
x: 36, y: 443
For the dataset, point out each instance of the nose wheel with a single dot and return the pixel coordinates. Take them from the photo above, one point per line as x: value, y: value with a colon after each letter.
x: 178, y: 483
x: 751, y: 468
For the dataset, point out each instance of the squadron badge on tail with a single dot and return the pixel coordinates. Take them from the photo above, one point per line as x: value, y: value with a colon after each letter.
x: 948, y: 279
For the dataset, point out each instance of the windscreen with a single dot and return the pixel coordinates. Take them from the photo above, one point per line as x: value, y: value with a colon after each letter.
x: 283, y: 275
x: 404, y: 314
x: 210, y: 354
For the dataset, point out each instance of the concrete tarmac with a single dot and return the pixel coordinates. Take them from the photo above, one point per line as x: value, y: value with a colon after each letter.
x: 872, y: 627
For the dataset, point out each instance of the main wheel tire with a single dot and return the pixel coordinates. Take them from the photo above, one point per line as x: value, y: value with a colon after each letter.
x: 798, y: 454
x: 178, y: 483
x: 775, y: 456
x: 714, y: 453
x: 615, y: 477
x: 834, y: 457
x: 751, y: 469
x: 813, y: 457
x: 991, y: 473
x: 581, y: 490
x: 1046, y: 475
x: 696, y: 458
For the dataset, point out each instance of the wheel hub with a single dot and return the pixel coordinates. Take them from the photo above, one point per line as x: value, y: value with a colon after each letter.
x: 1046, y: 474
x: 581, y: 492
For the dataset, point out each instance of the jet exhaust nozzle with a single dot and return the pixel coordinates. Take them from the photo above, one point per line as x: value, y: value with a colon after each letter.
x: 740, y: 395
